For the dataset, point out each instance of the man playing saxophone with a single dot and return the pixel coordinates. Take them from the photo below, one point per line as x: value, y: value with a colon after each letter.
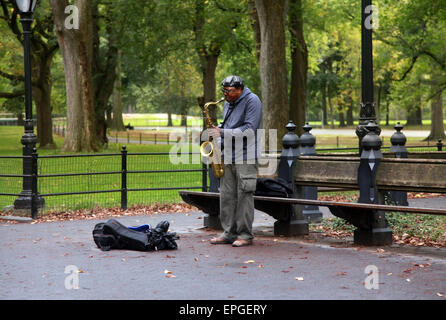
x: 240, y: 149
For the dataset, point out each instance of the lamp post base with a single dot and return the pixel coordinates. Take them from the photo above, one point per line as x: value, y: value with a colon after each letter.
x: 24, y: 201
x: 291, y: 228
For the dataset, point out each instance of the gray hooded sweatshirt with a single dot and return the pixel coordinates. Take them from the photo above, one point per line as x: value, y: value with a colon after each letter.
x: 242, y: 118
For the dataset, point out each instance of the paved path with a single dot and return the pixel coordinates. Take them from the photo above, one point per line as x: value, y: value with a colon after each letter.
x: 34, y: 258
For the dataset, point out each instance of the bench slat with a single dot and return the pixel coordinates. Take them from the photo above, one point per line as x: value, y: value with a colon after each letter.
x: 364, y: 206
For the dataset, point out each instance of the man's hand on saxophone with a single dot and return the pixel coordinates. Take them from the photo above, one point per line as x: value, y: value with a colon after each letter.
x: 214, y: 131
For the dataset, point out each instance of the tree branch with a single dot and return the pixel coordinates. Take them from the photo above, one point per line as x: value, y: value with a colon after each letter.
x: 435, y: 58
x: 10, y: 95
x: 12, y: 77
x: 414, y: 59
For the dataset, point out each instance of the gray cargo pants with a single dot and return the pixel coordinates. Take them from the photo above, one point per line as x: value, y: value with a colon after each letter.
x: 237, y: 187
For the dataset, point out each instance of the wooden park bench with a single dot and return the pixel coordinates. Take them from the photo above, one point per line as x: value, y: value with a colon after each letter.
x: 391, y: 174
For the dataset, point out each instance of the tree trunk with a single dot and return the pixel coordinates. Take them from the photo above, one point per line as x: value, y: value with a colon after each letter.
x: 330, y: 108
x: 104, y: 70
x: 273, y: 69
x: 341, y: 117
x: 208, y: 57
x: 378, y: 91
x: 414, y: 116
x: 349, y: 109
x: 255, y: 27
x: 324, y: 105
x: 183, y: 111
x: 437, y: 124
x: 299, y: 65
x: 42, y: 98
x: 77, y: 52
x: 117, y: 122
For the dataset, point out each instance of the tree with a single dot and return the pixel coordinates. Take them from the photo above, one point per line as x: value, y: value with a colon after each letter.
x: 77, y: 51
x: 43, y: 48
x: 117, y: 121
x: 90, y: 70
x: 299, y: 65
x: 273, y: 69
x: 415, y: 31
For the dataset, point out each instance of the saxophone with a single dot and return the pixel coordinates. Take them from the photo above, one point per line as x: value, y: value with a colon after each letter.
x: 210, y: 148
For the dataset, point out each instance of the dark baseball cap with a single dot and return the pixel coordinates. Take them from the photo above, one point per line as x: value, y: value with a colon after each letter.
x: 233, y: 81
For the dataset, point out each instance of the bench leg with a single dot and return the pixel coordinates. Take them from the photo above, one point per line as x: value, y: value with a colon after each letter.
x: 212, y: 221
x: 297, y: 226
x: 378, y: 235
x: 374, y: 237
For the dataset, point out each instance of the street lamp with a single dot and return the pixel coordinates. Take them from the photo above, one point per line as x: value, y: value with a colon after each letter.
x: 26, y: 6
x: 29, y: 139
x: 367, y: 111
x: 369, y: 143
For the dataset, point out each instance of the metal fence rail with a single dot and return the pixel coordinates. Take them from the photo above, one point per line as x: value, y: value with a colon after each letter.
x: 68, y: 182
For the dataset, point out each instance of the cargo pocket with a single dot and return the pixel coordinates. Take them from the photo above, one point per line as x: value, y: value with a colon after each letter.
x: 248, y: 182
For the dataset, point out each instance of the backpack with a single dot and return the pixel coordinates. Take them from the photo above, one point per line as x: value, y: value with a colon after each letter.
x: 273, y: 188
x: 114, y: 235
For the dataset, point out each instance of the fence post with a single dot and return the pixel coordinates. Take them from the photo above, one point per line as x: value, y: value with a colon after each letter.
x: 439, y: 145
x: 124, y: 178
x: 307, y: 148
x: 297, y: 224
x: 34, y: 205
x: 398, y: 141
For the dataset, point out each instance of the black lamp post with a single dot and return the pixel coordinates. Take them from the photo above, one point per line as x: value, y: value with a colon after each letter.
x: 367, y: 111
x: 29, y: 139
x: 369, y: 144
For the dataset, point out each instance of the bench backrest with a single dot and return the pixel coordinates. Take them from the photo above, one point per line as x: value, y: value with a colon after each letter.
x: 418, y: 175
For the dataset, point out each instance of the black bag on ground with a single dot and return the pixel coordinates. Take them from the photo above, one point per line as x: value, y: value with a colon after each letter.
x: 103, y: 240
x: 160, y: 239
x: 114, y: 235
x: 273, y: 188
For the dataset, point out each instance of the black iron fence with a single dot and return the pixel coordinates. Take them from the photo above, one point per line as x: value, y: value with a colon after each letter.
x: 67, y: 182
